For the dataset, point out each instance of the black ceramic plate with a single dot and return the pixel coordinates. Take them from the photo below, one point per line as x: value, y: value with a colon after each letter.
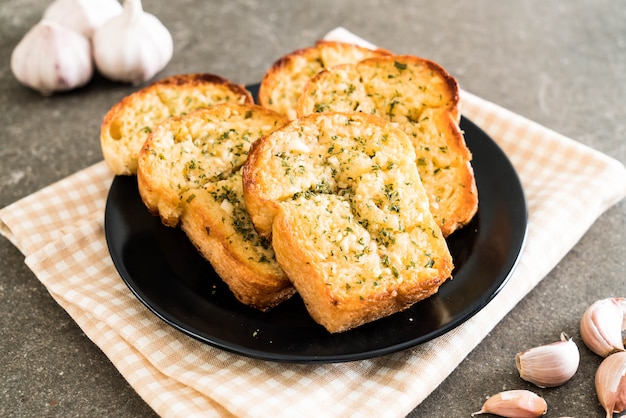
x: 166, y: 273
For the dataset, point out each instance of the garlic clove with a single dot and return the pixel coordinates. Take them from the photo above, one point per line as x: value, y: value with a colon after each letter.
x: 52, y: 58
x: 133, y: 46
x: 601, y: 326
x: 549, y: 365
x: 610, y: 383
x: 514, y: 403
x: 83, y: 16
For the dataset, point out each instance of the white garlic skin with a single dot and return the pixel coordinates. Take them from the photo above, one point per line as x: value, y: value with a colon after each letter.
x: 549, y: 365
x: 52, y: 58
x: 132, y: 47
x: 83, y: 16
x: 610, y: 383
x: 601, y: 326
x: 515, y: 404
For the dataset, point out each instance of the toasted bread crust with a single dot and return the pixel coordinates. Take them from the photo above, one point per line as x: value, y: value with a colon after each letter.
x: 189, y: 173
x: 341, y: 198
x: 250, y: 271
x: 282, y: 83
x: 422, y: 99
x: 127, y: 124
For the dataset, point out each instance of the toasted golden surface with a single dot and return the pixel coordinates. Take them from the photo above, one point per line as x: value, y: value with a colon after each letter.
x: 283, y: 82
x: 128, y: 123
x: 189, y: 172
x: 421, y: 98
x: 341, y: 198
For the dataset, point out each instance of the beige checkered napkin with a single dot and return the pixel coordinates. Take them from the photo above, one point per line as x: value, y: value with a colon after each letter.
x: 60, y: 230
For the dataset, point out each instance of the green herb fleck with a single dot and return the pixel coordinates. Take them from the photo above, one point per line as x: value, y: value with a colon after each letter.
x: 399, y: 65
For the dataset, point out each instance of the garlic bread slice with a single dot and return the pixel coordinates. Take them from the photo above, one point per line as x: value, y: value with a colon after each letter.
x: 189, y: 173
x: 341, y: 198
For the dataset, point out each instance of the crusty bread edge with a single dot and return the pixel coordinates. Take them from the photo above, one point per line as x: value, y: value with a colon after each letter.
x: 262, y: 211
x: 333, y: 314
x: 240, y: 276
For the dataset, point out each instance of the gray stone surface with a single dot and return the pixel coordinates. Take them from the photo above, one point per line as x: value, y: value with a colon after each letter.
x: 561, y: 64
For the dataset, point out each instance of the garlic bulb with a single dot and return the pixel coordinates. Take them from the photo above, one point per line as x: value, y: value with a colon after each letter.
x: 549, y: 365
x: 611, y: 383
x: 133, y: 46
x: 83, y: 16
x: 52, y: 58
x: 514, y: 403
x: 601, y: 326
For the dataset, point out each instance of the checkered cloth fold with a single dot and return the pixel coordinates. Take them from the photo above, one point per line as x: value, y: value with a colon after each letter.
x: 60, y: 231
